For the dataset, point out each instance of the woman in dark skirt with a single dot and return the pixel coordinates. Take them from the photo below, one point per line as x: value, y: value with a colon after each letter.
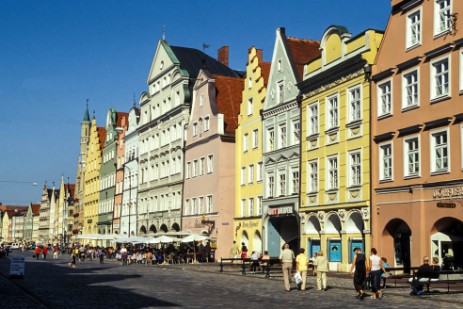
x: 360, y: 264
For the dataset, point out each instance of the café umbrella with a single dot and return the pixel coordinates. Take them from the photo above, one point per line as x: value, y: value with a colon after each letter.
x: 194, y: 238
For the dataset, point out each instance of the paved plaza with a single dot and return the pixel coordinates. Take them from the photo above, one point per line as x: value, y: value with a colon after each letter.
x: 52, y: 284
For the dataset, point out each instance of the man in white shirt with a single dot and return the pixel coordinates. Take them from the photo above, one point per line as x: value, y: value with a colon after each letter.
x: 286, y: 258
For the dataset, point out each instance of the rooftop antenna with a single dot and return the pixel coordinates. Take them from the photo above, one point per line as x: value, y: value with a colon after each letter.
x: 205, y: 46
x: 163, y: 32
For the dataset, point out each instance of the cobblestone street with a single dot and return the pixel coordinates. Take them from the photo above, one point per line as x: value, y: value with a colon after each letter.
x: 51, y: 284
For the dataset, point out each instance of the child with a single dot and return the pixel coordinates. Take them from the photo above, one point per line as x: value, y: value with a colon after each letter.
x: 383, y: 275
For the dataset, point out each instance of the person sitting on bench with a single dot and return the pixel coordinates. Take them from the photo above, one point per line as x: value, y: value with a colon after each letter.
x: 424, y: 273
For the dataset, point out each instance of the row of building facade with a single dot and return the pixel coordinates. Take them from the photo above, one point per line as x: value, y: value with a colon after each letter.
x: 343, y: 142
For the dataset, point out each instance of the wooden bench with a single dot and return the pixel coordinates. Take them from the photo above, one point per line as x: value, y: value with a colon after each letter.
x: 445, y: 276
x: 398, y: 273
x: 265, y: 265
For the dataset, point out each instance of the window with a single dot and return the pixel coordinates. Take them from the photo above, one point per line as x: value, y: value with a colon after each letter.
x: 250, y: 82
x: 313, y: 176
x: 259, y: 205
x: 243, y: 207
x: 255, y: 139
x: 251, y: 173
x: 210, y: 164
x: 296, y: 132
x: 201, y: 166
x: 442, y: 16
x: 440, y: 78
x: 282, y: 184
x: 188, y: 169
x: 280, y: 92
x: 251, y: 207
x: 295, y: 181
x: 270, y: 139
x: 195, y: 129
x: 355, y: 112
x: 385, y: 162
x: 410, y: 89
x: 209, y: 204
x: 332, y: 112
x: 201, y: 100
x: 206, y: 123
x: 250, y: 107
x: 194, y: 168
x: 332, y: 173
x: 413, y: 29
x: 271, y: 185
x: 243, y: 176
x: 355, y: 169
x: 385, y: 98
x: 245, y: 142
x: 259, y: 171
x: 201, y: 205
x: 411, y: 157
x: 439, y: 152
x: 313, y: 119
x: 193, y: 206
x: 282, y: 136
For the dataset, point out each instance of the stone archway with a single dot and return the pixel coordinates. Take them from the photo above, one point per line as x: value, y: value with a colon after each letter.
x: 312, y: 225
x: 257, y: 242
x: 396, y: 239
x: 354, y: 223
x: 176, y: 227
x: 164, y: 228
x: 153, y: 228
x: 447, y: 242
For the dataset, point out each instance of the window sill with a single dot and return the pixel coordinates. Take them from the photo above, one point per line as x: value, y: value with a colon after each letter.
x: 312, y: 137
x: 440, y: 99
x: 440, y: 34
x: 411, y: 47
x: 332, y: 130
x: 412, y: 177
x: 328, y: 191
x: 385, y: 180
x: 384, y: 116
x: 436, y: 173
x: 353, y: 187
x: 410, y: 107
x: 312, y: 193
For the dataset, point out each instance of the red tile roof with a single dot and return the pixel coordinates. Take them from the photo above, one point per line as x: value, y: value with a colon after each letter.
x: 70, y: 188
x: 12, y: 207
x: 229, y: 90
x: 303, y: 51
x: 265, y: 69
x: 119, y: 117
x: 101, y: 136
x: 35, y: 209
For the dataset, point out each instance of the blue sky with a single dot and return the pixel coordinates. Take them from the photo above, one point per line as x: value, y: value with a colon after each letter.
x: 54, y: 55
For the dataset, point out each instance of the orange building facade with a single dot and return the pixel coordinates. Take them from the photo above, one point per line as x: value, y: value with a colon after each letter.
x: 417, y: 130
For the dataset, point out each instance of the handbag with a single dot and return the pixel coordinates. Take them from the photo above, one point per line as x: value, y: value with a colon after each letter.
x: 297, y: 277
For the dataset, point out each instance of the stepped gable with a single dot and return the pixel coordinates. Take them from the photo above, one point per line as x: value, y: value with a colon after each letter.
x: 265, y: 71
x: 302, y: 52
x: 193, y: 60
x: 228, y: 100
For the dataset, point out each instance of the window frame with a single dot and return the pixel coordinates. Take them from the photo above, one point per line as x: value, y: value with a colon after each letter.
x: 380, y: 93
x: 350, y: 101
x: 406, y: 153
x: 255, y: 138
x: 433, y: 149
x: 332, y: 178
x: 436, y: 27
x: 314, y: 119
x: 432, y: 78
x: 352, y: 164
x: 382, y: 177
x: 409, y: 44
x: 250, y: 107
x: 330, y: 125
x: 250, y: 173
x: 243, y: 175
x: 406, y: 85
x: 310, y: 175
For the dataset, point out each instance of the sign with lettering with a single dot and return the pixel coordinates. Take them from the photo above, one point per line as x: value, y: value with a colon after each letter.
x: 446, y: 205
x: 280, y: 211
x: 17, y: 266
x: 447, y: 192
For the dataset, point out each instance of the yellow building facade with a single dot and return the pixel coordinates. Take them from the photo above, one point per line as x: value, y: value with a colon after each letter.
x: 92, y: 179
x: 335, y: 150
x: 249, y: 165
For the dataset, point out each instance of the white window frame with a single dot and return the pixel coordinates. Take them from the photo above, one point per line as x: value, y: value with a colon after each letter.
x: 195, y: 128
x: 433, y: 78
x: 210, y: 164
x: 245, y: 142
x: 461, y: 70
x: 296, y: 132
x: 207, y: 121
x: 188, y: 170
x: 355, y: 168
x: 270, y: 139
x: 282, y: 183
x: 260, y: 199
x: 251, y: 173
x: 438, y: 12
x: 332, y: 173
x: 295, y: 181
x: 209, y: 204
x: 413, y: 152
x: 383, y: 95
x: 413, y: 29
x: 255, y: 138
x: 250, y: 106
x: 282, y: 136
x: 414, y: 86
x: 260, y: 171
x: 434, y: 147
x: 382, y: 176
x: 243, y: 208
x: 270, y: 185
x: 280, y: 91
x: 313, y: 178
x: 355, y: 104
x: 313, y: 117
x: 243, y: 175
x: 332, y: 111
x: 250, y: 207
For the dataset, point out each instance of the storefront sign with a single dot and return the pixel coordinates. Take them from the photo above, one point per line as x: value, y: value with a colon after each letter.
x: 17, y: 266
x: 250, y: 224
x: 446, y: 205
x: 280, y: 211
x: 448, y: 192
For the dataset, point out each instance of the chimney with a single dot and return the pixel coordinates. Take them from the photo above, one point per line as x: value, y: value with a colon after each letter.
x: 222, y: 55
x: 260, y: 55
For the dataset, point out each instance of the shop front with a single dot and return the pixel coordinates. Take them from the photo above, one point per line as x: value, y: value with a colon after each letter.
x: 282, y: 226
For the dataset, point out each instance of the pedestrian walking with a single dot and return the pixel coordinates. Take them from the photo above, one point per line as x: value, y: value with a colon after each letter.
x: 286, y: 258
x: 235, y: 250
x: 45, y: 252
x: 302, y: 261
x: 254, y: 262
x: 37, y: 252
x: 55, y: 252
x: 124, y: 255
x: 244, y: 250
x: 376, y: 267
x: 322, y: 268
x: 359, y: 272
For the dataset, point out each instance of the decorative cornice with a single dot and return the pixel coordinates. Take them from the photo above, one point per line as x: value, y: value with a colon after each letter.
x: 383, y: 137
x: 279, y: 109
x: 458, y: 118
x: 410, y: 130
x: 409, y: 63
x: 335, y: 83
x: 437, y: 123
x: 410, y: 5
x: 384, y: 74
x: 439, y: 51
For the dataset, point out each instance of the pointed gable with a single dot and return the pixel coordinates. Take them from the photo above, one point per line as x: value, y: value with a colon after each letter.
x: 228, y: 100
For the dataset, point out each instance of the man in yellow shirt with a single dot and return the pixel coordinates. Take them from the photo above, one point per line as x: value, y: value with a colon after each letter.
x: 301, y: 266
